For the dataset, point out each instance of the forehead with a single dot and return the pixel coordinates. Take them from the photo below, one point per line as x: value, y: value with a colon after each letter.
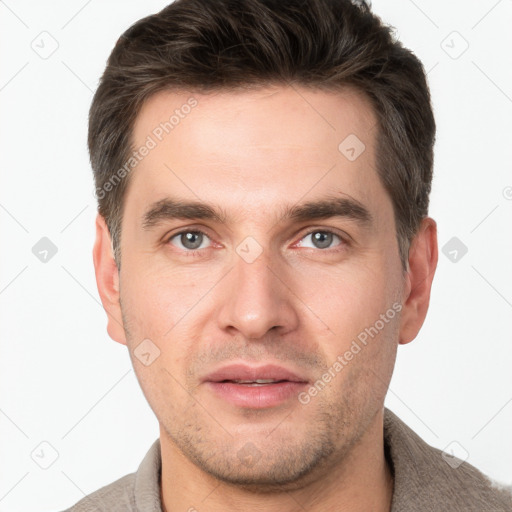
x: 272, y: 116
x: 255, y: 150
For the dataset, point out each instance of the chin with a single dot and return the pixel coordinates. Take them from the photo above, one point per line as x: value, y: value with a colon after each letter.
x: 272, y: 470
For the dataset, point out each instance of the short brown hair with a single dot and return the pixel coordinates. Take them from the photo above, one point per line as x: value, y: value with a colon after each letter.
x: 207, y: 45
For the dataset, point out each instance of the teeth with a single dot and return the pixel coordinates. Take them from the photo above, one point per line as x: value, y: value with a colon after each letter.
x: 257, y: 381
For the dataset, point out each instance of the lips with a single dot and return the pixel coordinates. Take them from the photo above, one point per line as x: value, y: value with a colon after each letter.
x: 254, y: 387
x: 257, y: 382
x: 263, y: 375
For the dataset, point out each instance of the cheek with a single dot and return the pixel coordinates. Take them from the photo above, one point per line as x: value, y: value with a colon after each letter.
x: 163, y: 310
x: 162, y: 386
x: 154, y: 302
x: 347, y: 299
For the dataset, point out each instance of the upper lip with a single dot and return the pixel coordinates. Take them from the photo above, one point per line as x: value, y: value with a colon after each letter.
x: 243, y: 372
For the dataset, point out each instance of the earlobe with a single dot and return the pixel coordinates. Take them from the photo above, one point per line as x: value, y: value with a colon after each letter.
x: 107, y: 280
x: 423, y: 257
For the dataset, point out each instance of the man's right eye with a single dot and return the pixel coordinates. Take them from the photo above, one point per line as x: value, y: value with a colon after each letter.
x: 189, y: 240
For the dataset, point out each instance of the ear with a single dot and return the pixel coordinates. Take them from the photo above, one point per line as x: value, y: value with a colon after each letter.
x: 107, y: 280
x: 418, y: 280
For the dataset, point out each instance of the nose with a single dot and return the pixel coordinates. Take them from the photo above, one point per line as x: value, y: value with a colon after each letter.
x: 257, y: 298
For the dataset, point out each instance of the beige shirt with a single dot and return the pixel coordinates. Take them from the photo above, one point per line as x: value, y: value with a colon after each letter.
x: 424, y: 480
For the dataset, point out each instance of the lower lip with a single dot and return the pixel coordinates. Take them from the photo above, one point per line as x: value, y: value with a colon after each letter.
x: 257, y: 397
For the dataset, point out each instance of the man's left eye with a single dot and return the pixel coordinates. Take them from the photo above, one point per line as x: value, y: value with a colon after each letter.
x: 321, y: 239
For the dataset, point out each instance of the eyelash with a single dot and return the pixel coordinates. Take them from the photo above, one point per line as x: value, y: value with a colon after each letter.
x: 198, y: 252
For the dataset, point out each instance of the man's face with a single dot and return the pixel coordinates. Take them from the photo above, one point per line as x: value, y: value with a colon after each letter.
x: 254, y: 293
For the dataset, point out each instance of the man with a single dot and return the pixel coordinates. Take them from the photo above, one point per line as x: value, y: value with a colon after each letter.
x: 263, y: 245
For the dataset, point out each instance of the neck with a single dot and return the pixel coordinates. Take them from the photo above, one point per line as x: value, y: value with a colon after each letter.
x: 360, y: 481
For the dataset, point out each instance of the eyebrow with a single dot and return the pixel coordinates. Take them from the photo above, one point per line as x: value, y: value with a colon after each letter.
x: 344, y: 207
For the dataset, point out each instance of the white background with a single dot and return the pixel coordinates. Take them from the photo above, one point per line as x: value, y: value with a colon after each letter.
x: 65, y: 382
